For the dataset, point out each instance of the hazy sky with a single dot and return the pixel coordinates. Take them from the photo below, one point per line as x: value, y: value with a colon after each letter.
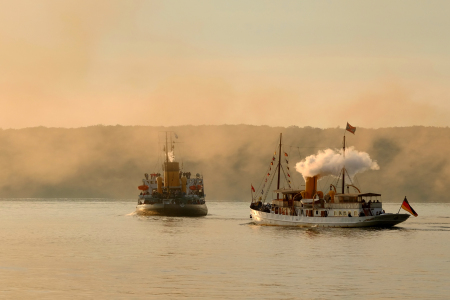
x: 306, y: 63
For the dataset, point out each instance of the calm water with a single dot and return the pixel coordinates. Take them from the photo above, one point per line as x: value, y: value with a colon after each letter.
x: 78, y: 249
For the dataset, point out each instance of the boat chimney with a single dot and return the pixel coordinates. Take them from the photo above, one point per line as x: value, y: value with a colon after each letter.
x: 311, y: 186
x: 171, y: 174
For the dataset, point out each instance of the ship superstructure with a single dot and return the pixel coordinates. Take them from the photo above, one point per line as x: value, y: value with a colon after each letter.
x: 174, y: 191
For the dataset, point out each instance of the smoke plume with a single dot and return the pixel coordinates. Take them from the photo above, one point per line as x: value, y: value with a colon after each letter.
x: 171, y: 156
x: 330, y: 162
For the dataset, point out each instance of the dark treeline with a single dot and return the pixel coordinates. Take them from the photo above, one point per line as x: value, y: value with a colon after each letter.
x: 109, y: 161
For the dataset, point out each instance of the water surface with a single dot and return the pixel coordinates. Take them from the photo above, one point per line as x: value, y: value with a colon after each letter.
x: 98, y: 248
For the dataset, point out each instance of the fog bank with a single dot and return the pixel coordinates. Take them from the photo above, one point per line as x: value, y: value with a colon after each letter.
x: 110, y: 161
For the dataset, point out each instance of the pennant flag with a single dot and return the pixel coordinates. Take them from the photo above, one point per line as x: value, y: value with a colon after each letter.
x: 268, y: 174
x: 289, y: 175
x: 176, y: 136
x: 266, y: 179
x: 408, y: 208
x: 287, y: 168
x: 287, y: 161
x: 270, y: 169
x: 253, y: 189
x: 262, y: 192
x: 275, y: 153
x: 273, y: 158
x: 285, y: 154
x: 350, y: 128
x: 271, y: 163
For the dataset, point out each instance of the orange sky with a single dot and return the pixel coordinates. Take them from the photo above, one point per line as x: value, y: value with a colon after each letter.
x: 279, y: 63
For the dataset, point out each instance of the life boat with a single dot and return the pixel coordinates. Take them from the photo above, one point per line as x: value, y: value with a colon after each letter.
x: 143, y: 187
x: 192, y: 187
x: 199, y: 187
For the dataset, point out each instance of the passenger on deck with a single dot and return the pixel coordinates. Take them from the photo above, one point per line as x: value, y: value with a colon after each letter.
x: 361, y: 214
x: 349, y: 214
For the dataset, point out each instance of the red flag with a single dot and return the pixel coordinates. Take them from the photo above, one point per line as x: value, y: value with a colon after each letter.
x: 285, y: 154
x: 289, y: 175
x: 268, y: 174
x: 408, y: 208
x: 350, y: 128
x: 271, y: 163
x: 253, y: 189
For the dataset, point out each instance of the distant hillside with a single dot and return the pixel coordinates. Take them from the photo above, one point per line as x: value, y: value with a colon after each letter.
x: 109, y: 161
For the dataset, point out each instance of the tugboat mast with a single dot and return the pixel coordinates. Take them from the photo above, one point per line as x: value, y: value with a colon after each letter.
x: 279, y: 165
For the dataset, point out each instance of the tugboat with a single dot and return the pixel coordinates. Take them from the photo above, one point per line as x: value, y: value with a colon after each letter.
x: 174, y: 194
x: 310, y: 207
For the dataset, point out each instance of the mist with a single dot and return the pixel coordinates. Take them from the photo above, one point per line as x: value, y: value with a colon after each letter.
x: 110, y: 161
x: 171, y: 63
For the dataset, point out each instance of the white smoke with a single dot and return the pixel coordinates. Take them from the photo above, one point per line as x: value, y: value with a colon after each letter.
x: 330, y: 162
x: 171, y: 156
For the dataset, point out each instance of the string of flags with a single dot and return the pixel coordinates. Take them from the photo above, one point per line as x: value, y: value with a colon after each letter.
x: 270, y: 169
x: 287, y: 166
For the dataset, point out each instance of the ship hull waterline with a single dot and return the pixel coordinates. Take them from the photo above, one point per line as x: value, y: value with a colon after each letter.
x: 186, y: 210
x: 384, y: 220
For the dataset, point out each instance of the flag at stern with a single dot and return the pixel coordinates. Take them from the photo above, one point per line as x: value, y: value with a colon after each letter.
x: 408, y: 208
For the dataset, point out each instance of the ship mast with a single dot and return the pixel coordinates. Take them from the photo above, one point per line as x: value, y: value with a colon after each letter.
x: 167, y: 152
x: 167, y: 164
x: 343, y: 169
x: 279, y: 166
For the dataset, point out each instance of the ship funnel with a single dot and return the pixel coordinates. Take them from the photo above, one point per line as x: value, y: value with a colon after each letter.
x: 311, y: 186
x: 171, y: 174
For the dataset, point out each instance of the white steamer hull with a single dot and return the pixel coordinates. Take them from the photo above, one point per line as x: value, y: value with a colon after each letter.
x: 384, y: 220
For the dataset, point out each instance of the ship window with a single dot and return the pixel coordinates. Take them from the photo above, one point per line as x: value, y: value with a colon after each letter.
x: 344, y: 213
x: 355, y: 213
x: 340, y: 213
x: 335, y: 213
x: 317, y: 212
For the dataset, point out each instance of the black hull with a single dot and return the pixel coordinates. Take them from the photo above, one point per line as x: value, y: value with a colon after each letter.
x: 176, y: 210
